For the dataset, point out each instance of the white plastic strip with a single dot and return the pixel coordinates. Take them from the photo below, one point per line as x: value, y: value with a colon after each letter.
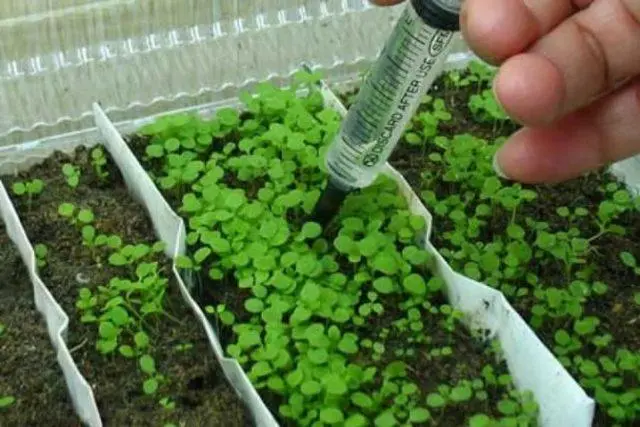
x: 171, y: 229
x: 168, y: 227
x: 533, y: 367
x: 55, y: 318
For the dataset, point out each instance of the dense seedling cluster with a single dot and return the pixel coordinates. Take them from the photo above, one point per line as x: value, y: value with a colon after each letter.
x: 123, y: 309
x: 338, y: 324
x: 130, y: 333
x: 547, y: 262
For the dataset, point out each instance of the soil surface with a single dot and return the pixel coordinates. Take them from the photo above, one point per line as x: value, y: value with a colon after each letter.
x: 29, y: 371
x: 616, y: 310
x: 182, y: 353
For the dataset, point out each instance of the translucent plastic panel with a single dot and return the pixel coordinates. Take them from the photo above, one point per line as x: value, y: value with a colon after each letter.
x: 133, y: 55
x: 98, y: 21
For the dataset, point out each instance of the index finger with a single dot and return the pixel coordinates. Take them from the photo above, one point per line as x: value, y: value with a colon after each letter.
x: 498, y: 29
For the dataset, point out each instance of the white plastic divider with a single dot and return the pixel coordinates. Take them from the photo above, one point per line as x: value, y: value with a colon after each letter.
x: 531, y: 364
x: 171, y: 229
x: 562, y: 401
x: 168, y: 227
x: 55, y: 318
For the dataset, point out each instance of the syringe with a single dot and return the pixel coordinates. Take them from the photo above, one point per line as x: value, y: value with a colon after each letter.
x: 412, y: 58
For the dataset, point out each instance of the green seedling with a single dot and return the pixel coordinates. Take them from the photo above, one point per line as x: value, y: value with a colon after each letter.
x: 3, y: 328
x: 183, y: 347
x: 148, y: 366
x: 119, y: 310
x: 75, y: 216
x: 477, y: 74
x: 83, y: 219
x: 124, y: 309
x: 167, y: 403
x: 130, y: 255
x: 71, y: 174
x: 425, y: 125
x: 29, y: 188
x: 630, y: 261
x: 41, y: 251
x: 485, y: 107
x: 225, y: 316
x: 99, y: 162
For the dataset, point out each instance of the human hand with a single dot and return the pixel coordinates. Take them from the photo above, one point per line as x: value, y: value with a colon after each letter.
x: 569, y: 72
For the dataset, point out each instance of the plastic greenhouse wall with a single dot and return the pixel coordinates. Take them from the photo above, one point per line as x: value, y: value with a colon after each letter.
x: 140, y: 57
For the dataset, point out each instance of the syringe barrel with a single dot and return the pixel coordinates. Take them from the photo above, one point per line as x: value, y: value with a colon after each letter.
x: 411, y: 60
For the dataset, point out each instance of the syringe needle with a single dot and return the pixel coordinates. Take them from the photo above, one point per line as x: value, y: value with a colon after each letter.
x: 411, y: 60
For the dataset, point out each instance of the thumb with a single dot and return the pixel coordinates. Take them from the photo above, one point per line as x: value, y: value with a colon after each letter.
x: 604, y: 132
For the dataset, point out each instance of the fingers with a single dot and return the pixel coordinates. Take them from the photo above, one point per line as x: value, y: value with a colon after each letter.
x: 498, y: 29
x: 593, y: 137
x: 580, y: 60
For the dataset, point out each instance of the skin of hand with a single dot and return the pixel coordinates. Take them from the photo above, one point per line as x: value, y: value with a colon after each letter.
x: 569, y: 73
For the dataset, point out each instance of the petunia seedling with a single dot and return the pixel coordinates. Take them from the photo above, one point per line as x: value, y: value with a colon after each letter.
x: 29, y: 189
x: 72, y: 174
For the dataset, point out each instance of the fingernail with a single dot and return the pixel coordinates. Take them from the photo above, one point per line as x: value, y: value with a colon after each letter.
x: 497, y: 168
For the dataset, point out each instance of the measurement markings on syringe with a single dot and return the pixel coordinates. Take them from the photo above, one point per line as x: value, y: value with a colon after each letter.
x: 399, y: 69
x: 350, y: 151
x: 380, y: 96
x: 417, y: 39
x: 366, y: 124
x: 438, y: 41
x: 367, y: 120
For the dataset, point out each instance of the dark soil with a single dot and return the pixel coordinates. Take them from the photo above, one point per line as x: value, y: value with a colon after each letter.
x: 469, y: 353
x: 616, y: 310
x: 29, y: 370
x: 196, y: 382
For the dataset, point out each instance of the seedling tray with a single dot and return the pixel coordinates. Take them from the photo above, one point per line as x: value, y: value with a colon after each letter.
x: 530, y: 363
x: 81, y: 393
